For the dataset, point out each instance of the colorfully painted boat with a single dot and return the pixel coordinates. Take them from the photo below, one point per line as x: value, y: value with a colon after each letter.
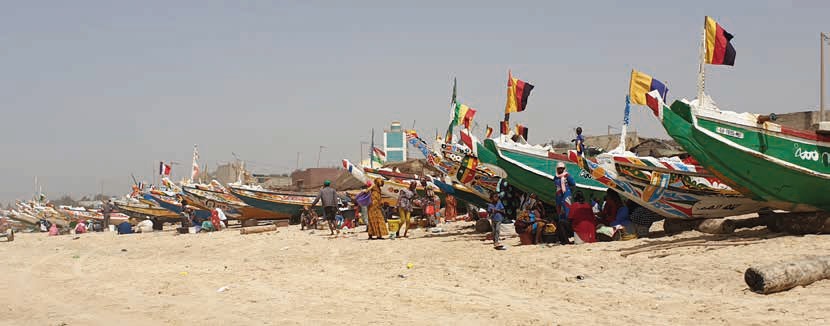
x: 390, y: 188
x: 172, y: 204
x: 667, y: 186
x: 532, y: 169
x: 142, y: 210
x: 461, y: 192
x: 233, y: 207
x: 284, y: 205
x: 787, y: 168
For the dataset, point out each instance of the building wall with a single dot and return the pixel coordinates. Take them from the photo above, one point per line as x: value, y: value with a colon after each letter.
x: 394, y: 143
x: 799, y: 120
x: 313, y: 178
x: 609, y: 142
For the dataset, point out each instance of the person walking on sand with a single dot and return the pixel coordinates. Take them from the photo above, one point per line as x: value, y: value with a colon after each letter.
x: 495, y: 209
x: 405, y: 207
x: 329, y: 197
x: 106, y: 209
x: 377, y: 227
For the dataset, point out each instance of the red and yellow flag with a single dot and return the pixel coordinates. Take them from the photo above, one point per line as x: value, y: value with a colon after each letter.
x: 719, y: 50
x: 517, y: 93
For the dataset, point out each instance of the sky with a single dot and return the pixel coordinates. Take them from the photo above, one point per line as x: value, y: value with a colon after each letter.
x: 92, y: 92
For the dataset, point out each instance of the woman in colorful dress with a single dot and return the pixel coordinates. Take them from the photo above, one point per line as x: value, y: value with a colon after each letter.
x: 377, y: 227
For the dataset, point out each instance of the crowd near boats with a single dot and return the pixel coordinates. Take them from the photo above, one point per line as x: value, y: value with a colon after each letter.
x: 737, y: 163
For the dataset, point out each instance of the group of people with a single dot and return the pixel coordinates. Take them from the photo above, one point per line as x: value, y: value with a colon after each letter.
x: 576, y: 219
x: 380, y: 217
x: 216, y: 222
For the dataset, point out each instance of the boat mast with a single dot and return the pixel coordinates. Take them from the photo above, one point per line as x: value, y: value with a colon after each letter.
x: 626, y: 120
x: 822, y: 39
x: 701, y: 73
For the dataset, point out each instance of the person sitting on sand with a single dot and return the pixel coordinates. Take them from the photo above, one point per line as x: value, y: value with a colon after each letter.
x: 641, y: 219
x: 80, y: 228
x: 583, y: 220
x: 125, y: 228
x: 495, y: 209
x: 53, y: 230
x: 214, y: 219
x: 609, y: 210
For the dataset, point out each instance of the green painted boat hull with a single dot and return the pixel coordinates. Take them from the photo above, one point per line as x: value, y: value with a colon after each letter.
x: 540, y: 181
x: 755, y: 163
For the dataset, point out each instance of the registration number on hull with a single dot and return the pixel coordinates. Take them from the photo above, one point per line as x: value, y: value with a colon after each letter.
x: 729, y: 132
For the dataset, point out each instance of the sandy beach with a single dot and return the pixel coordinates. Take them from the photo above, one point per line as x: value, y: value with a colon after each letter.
x: 299, y: 277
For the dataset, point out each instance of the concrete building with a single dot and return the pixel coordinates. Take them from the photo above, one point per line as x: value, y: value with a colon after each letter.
x: 609, y: 142
x: 313, y: 178
x: 272, y: 181
x: 394, y: 143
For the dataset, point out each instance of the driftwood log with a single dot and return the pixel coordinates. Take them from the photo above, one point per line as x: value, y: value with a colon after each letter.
x: 258, y: 229
x: 711, y: 226
x: 717, y: 226
x: 784, y: 276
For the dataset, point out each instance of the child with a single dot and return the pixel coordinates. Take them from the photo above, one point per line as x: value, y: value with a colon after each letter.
x: 496, y: 212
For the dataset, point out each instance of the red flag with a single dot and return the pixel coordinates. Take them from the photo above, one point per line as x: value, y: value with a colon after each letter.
x: 504, y: 127
x: 164, y: 169
x: 488, y: 132
x: 466, y: 139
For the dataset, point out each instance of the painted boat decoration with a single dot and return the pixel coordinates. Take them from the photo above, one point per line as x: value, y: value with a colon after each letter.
x: 390, y: 188
x: 667, y: 186
x: 283, y: 205
x: 233, y: 207
x: 787, y: 168
x: 532, y: 169
x: 461, y: 192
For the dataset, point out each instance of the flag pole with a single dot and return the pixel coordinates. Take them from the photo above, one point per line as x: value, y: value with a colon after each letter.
x: 822, y: 38
x: 626, y: 121
x: 701, y: 75
x: 372, y: 151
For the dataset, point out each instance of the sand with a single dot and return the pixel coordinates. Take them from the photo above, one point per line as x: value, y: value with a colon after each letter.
x: 296, y: 277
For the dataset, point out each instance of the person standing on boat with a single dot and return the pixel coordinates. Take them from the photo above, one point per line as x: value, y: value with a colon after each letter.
x: 329, y: 198
x: 579, y: 141
x: 377, y: 227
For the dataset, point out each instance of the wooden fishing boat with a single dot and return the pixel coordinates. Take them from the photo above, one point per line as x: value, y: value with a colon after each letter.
x: 667, y: 186
x: 233, y: 207
x: 390, y: 188
x: 143, y: 211
x: 462, y: 193
x: 81, y: 214
x: 284, y: 205
x: 173, y: 204
x: 787, y: 168
x: 532, y: 169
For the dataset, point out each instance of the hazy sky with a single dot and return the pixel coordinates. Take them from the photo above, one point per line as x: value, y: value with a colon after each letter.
x: 91, y: 91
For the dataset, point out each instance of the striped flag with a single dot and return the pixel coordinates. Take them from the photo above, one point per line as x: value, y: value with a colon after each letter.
x: 517, y: 93
x: 195, y: 170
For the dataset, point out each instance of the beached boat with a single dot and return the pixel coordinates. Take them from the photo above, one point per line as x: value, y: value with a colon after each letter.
x: 390, y: 188
x: 461, y: 192
x: 80, y: 213
x: 233, y: 207
x: 532, y: 169
x: 284, y: 205
x: 143, y: 211
x: 667, y: 186
x: 787, y: 168
x: 172, y: 204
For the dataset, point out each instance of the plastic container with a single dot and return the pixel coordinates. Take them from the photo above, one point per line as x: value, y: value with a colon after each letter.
x: 394, y: 225
x: 112, y: 228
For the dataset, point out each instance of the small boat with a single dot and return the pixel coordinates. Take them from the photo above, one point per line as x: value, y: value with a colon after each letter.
x: 172, y: 203
x: 461, y: 192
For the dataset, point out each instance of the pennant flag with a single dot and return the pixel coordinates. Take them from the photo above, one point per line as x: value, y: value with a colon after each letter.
x: 448, y: 136
x: 468, y: 118
x: 719, y: 50
x: 504, y: 127
x: 521, y: 130
x: 462, y: 112
x: 195, y: 171
x: 517, y: 93
x: 641, y: 84
x: 467, y: 172
x: 164, y: 169
x: 454, y: 84
x: 488, y: 132
x: 379, y: 154
x: 466, y: 138
x: 655, y: 103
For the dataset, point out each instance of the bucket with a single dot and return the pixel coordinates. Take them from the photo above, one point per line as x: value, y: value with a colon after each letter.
x: 112, y: 228
x: 394, y: 225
